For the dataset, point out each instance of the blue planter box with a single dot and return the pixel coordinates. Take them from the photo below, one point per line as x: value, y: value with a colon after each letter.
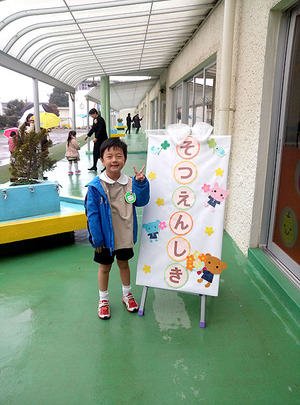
x: 28, y: 200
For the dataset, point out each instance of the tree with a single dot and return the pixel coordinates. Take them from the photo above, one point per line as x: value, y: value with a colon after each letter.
x: 59, y: 97
x: 30, y: 159
x: 3, y: 120
x: 13, y: 112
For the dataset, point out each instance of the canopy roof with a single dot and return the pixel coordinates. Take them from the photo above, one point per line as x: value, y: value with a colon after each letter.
x: 64, y: 42
x: 124, y: 94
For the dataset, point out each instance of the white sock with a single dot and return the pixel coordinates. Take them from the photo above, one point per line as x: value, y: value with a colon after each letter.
x: 70, y: 166
x: 76, y: 166
x: 126, y: 289
x: 103, y: 295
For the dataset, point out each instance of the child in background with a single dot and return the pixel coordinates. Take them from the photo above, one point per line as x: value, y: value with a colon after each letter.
x: 12, y: 141
x: 111, y: 218
x: 72, y: 154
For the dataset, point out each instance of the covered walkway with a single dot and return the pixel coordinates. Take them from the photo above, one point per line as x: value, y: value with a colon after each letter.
x: 55, y: 350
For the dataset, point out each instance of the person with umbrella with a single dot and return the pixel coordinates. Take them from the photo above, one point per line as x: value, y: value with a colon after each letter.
x: 99, y: 129
x: 12, y: 141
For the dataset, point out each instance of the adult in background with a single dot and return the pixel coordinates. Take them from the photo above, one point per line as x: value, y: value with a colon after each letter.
x: 137, y: 122
x: 128, y: 123
x: 99, y: 129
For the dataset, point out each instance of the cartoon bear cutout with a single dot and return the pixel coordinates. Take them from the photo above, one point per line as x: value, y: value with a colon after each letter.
x: 216, y: 196
x: 213, y: 266
x: 152, y: 230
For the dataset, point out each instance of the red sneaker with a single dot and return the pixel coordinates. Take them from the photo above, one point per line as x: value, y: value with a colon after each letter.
x: 130, y: 302
x: 103, y: 309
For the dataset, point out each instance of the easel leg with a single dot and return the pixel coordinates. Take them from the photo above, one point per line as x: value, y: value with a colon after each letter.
x: 202, y: 317
x: 143, y: 300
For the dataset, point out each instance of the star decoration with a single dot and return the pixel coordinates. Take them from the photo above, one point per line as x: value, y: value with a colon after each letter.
x: 196, y: 254
x: 219, y: 172
x: 165, y: 145
x: 146, y: 269
x: 162, y: 225
x: 212, y: 143
x: 160, y: 201
x: 209, y: 230
x: 152, y: 175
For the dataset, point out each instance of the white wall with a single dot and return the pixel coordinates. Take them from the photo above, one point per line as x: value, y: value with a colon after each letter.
x: 255, y: 46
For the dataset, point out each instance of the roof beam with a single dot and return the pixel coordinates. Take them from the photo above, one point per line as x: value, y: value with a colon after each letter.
x: 11, y: 63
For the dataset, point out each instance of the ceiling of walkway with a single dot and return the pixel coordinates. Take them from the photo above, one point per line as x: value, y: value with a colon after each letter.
x: 124, y: 94
x: 72, y: 40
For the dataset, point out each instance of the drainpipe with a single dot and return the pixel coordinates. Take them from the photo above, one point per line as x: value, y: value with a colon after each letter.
x: 226, y: 65
x: 36, y: 105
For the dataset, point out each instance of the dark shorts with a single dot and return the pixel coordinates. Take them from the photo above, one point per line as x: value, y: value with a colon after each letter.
x: 106, y: 258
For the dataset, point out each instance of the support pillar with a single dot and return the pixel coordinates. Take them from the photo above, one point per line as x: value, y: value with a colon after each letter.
x: 36, y: 105
x: 72, y: 98
x: 87, y: 125
x: 105, y: 101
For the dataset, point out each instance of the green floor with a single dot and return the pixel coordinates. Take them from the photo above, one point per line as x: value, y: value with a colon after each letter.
x: 55, y: 350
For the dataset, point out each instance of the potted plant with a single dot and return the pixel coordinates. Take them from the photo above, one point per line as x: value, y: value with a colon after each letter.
x: 29, y: 194
x: 30, y: 158
x: 120, y: 122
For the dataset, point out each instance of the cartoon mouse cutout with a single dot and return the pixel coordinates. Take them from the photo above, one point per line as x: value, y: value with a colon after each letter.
x: 213, y: 266
x: 216, y: 196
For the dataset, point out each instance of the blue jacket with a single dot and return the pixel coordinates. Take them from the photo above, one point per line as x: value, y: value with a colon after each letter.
x: 98, y: 212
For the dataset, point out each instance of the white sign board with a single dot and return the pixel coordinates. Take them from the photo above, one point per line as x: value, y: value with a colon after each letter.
x: 182, y: 226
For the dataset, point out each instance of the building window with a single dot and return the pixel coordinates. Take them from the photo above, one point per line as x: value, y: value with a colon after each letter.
x: 195, y: 97
x: 283, y: 239
x: 178, y: 103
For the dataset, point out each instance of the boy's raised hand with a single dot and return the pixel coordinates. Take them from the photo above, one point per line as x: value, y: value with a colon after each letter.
x: 139, y: 176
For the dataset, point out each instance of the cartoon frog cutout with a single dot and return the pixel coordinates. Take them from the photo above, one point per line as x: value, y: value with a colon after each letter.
x: 213, y: 266
x: 216, y: 196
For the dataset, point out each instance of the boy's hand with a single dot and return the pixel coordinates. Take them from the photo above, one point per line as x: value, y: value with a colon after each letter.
x: 98, y: 249
x: 139, y: 176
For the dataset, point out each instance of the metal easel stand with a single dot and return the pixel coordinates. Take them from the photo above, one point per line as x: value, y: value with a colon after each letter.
x: 202, y: 316
x: 203, y: 301
x: 143, y: 300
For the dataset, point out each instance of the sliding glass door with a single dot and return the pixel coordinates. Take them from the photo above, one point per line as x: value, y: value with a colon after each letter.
x: 284, y: 232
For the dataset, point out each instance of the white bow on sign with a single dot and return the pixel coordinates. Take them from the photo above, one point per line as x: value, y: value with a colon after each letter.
x: 179, y: 132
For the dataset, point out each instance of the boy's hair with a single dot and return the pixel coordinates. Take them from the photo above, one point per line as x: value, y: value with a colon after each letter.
x: 93, y: 111
x: 113, y: 143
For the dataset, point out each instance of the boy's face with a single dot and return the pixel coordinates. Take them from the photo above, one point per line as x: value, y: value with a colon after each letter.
x: 114, y: 161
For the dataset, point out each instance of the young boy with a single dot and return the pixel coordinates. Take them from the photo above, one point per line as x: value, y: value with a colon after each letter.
x: 111, y: 218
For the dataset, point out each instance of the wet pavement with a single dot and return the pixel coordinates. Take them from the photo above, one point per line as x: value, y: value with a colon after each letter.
x: 57, y: 136
x: 55, y: 350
